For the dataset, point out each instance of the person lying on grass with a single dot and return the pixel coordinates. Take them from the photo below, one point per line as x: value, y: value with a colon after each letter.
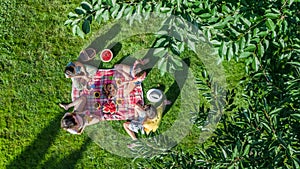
x: 133, y: 75
x: 142, y: 113
x: 80, y: 74
x: 76, y: 121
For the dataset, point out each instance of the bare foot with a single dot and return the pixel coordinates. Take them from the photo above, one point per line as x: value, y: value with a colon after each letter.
x: 63, y: 106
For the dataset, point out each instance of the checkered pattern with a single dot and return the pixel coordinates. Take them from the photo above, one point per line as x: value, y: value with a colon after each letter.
x: 125, y: 110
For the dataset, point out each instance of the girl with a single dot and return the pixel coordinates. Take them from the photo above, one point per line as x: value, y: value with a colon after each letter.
x: 80, y: 74
x: 76, y: 121
x: 142, y: 113
x: 133, y: 75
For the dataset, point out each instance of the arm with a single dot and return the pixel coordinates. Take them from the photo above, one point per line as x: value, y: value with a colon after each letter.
x: 89, y: 119
x: 83, y: 70
x: 81, y: 76
x: 133, y: 67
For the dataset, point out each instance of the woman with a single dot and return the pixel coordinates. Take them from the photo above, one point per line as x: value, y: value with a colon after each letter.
x: 133, y: 75
x: 80, y: 74
x: 76, y: 121
x: 142, y: 113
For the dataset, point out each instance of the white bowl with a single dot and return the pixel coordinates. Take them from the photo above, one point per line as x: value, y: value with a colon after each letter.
x: 154, y: 95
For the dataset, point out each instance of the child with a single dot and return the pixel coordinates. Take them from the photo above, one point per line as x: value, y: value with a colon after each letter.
x: 76, y: 121
x: 142, y: 113
x: 80, y: 74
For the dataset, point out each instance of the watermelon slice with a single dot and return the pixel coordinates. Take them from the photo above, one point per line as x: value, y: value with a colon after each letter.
x: 106, y: 55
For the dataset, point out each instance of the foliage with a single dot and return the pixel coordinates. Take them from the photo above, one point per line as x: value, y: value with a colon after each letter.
x: 260, y: 129
x: 260, y: 126
x: 246, y: 30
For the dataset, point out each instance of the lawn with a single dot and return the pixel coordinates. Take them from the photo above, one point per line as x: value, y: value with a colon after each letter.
x: 35, y: 47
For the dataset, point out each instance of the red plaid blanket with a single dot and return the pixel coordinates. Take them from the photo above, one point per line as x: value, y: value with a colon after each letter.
x: 97, y: 101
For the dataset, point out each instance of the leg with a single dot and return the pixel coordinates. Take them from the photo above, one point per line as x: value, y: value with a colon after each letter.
x: 122, y: 67
x: 125, y: 74
x: 78, y: 104
x: 128, y: 88
x: 131, y: 133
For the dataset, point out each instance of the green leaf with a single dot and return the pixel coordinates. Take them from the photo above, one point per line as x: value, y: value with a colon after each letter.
x: 129, y: 12
x: 74, y: 28
x: 113, y: 2
x: 165, y: 9
x: 79, y: 32
x: 120, y: 14
x: 160, y: 52
x: 197, y: 10
x: 236, y: 48
x: 87, y: 6
x: 175, y: 49
x: 162, y: 32
x: 235, y: 152
x: 255, y: 64
x: 191, y: 45
x: 270, y: 24
x: 250, y: 48
x: 246, y: 21
x: 260, y: 50
x: 262, y: 34
x: 68, y: 22
x: 294, y: 63
x: 177, y: 61
x: 80, y: 11
x: 245, y: 54
x: 223, y: 49
x: 161, y: 42
x: 219, y: 25
x: 162, y: 66
x: 115, y: 10
x: 272, y: 15
x: 98, y: 15
x: 72, y: 15
x: 205, y: 15
x: 76, y: 21
x: 224, y: 153
x: 160, y: 62
x: 296, y: 116
x: 105, y: 15
x: 296, y: 164
x: 267, y: 127
x: 247, y: 149
x: 86, y: 26
x: 229, y: 53
x: 242, y: 43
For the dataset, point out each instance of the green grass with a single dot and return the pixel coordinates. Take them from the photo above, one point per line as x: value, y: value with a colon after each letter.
x: 35, y: 47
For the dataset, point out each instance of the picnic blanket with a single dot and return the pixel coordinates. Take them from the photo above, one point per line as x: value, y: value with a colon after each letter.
x: 100, y: 105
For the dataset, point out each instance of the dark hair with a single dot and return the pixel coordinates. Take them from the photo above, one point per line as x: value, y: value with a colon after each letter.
x: 151, y: 111
x: 139, y: 74
x: 70, y: 68
x: 68, y: 121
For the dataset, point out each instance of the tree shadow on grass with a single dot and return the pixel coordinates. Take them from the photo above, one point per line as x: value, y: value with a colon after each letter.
x: 174, y: 91
x: 34, y: 153
x: 68, y: 161
x: 32, y: 156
